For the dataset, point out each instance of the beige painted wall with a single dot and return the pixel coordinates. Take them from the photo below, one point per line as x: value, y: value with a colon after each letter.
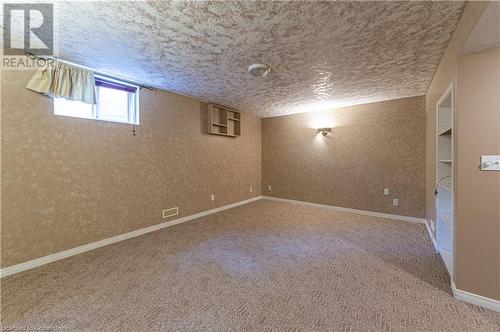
x: 67, y: 181
x: 478, y: 192
x: 476, y: 214
x: 445, y: 75
x: 371, y: 147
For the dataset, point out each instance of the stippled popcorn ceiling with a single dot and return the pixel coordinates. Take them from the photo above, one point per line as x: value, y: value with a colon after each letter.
x: 323, y: 54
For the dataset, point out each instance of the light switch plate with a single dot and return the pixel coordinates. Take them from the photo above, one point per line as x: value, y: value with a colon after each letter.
x: 490, y: 163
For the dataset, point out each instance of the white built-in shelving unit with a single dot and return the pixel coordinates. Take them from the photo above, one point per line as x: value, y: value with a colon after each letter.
x: 445, y: 176
x: 223, y: 121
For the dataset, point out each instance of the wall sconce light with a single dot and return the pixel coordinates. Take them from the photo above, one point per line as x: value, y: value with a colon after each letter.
x: 324, y: 131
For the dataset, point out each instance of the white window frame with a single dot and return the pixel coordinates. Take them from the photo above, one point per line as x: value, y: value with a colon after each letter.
x: 132, y: 103
x: 133, y: 112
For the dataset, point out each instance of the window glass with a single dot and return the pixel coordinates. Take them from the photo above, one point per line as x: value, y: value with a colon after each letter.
x: 113, y: 105
x: 116, y: 101
x: 73, y: 108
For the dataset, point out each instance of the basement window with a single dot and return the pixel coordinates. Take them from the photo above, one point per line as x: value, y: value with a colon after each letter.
x: 117, y: 101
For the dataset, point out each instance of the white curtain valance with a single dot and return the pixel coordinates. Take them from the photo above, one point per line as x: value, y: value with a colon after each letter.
x: 61, y: 80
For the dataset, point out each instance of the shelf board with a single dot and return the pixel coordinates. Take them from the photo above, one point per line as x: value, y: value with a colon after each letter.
x: 219, y: 125
x: 445, y: 132
x: 222, y: 134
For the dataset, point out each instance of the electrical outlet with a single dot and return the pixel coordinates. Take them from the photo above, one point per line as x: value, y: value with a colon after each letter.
x: 386, y: 191
x: 212, y: 197
x: 433, y: 226
x: 169, y: 212
x: 251, y: 189
x: 269, y: 188
x: 395, y: 202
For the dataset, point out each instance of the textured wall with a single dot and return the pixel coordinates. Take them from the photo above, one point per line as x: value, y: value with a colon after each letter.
x: 371, y: 146
x: 477, y: 222
x: 67, y: 181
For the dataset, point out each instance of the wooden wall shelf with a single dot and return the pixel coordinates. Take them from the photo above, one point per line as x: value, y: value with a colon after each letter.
x: 223, y: 121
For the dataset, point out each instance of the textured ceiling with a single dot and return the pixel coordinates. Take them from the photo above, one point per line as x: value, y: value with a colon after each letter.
x: 323, y: 54
x: 486, y: 33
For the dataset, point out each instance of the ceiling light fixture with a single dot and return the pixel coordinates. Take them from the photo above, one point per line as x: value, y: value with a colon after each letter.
x: 259, y: 70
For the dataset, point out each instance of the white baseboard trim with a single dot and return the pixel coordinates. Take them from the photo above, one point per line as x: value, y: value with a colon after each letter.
x: 429, y: 231
x: 338, y: 208
x: 94, y: 245
x: 459, y: 294
x: 472, y: 298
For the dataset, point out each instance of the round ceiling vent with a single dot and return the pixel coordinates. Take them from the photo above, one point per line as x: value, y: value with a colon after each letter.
x: 259, y: 70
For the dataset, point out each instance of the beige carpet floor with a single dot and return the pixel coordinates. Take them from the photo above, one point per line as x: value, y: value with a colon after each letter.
x: 264, y: 266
